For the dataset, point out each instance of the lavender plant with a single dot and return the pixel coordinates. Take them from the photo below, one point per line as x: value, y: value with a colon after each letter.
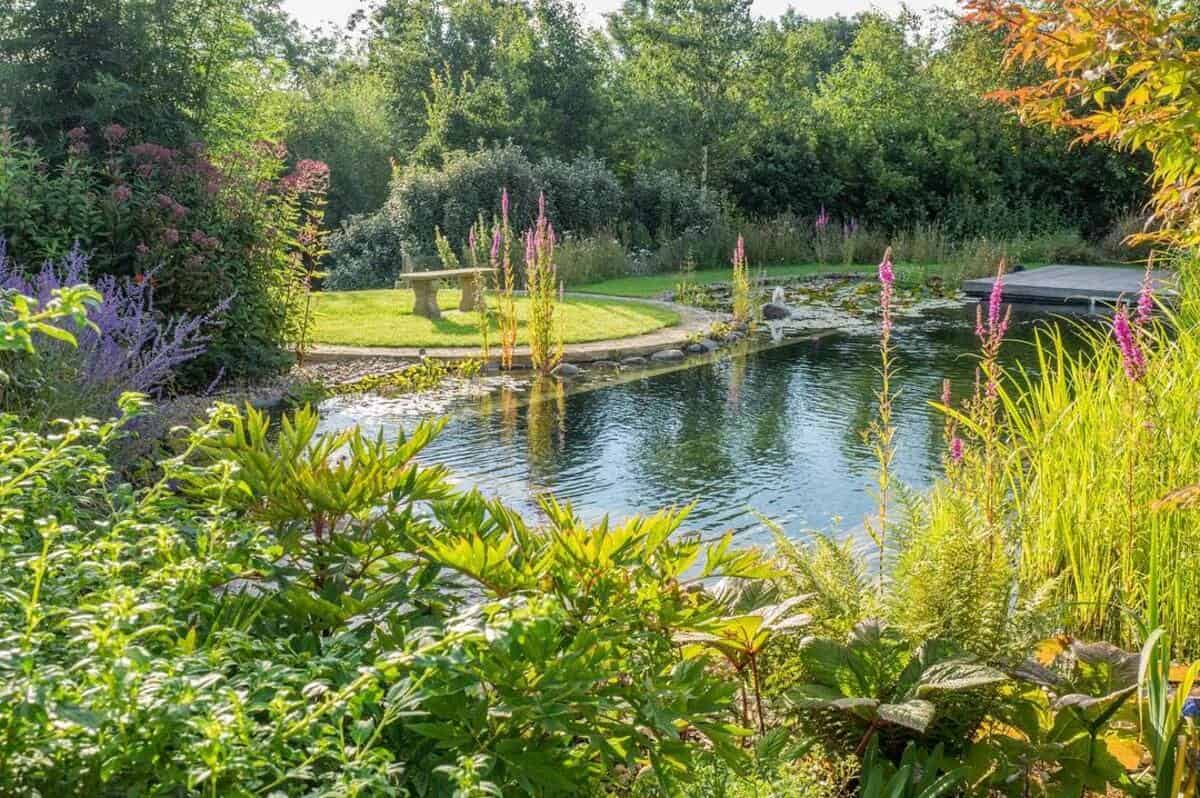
x: 127, y: 346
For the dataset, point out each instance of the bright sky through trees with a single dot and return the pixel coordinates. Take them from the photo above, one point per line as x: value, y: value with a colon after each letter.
x: 315, y: 12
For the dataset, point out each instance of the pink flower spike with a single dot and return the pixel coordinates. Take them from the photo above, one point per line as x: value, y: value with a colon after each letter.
x: 994, y: 301
x: 887, y: 281
x: 946, y: 392
x: 1145, y: 303
x: 504, y: 203
x: 1132, y: 358
x: 887, y: 274
x: 495, y: 243
x: 956, y: 450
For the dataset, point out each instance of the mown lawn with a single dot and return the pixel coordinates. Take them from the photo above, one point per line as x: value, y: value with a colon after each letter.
x: 385, y: 318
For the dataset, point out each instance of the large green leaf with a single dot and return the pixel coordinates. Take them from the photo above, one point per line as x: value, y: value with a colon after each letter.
x: 915, y: 714
x: 957, y: 675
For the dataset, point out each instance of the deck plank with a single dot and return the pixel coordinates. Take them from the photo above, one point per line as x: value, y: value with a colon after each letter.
x: 1062, y: 283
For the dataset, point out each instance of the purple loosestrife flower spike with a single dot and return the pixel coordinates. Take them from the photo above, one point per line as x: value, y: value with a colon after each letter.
x: 956, y: 450
x: 1145, y: 303
x: 887, y: 282
x: 495, y: 243
x: 471, y: 240
x: 946, y: 392
x: 1132, y: 358
x: 996, y: 325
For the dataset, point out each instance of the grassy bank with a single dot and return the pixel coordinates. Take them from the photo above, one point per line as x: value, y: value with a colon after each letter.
x: 385, y: 318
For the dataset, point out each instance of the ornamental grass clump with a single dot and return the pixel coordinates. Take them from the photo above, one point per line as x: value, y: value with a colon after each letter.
x: 541, y: 282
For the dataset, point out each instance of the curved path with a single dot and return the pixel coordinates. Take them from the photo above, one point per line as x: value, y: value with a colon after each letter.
x: 691, y: 321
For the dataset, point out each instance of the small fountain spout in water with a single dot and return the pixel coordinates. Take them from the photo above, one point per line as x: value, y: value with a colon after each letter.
x: 776, y: 312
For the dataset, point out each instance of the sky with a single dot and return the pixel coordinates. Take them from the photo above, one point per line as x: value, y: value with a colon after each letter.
x: 315, y: 12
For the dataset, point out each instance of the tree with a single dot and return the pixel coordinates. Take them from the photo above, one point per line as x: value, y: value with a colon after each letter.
x: 1126, y: 72
x: 173, y: 72
x: 681, y: 69
x: 342, y: 119
x: 466, y: 72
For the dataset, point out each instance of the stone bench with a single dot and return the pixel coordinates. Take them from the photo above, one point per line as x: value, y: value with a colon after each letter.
x: 425, y: 286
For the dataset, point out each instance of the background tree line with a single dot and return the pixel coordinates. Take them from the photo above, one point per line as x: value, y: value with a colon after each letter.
x: 872, y: 117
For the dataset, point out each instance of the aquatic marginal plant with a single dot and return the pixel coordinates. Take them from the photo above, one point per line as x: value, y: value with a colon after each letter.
x: 476, y: 257
x: 882, y: 431
x: 506, y: 304
x: 740, y: 283
x: 1132, y: 358
x: 541, y: 283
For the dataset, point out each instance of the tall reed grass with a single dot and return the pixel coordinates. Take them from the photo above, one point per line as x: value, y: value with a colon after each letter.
x: 1095, y: 442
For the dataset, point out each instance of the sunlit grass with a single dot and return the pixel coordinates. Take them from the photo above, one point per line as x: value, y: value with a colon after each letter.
x: 385, y: 318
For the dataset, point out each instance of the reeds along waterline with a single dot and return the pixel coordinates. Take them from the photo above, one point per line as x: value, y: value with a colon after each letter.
x: 1091, y: 445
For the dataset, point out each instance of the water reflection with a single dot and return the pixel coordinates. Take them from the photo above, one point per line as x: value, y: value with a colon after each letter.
x: 777, y: 432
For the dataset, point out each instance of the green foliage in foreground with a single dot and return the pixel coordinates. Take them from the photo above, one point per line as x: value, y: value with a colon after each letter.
x: 297, y: 620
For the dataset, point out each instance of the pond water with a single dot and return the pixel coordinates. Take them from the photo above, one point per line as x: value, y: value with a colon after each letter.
x: 777, y: 432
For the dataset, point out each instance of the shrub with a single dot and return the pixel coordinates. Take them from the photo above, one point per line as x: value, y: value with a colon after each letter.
x: 210, y: 229
x: 126, y: 346
x: 365, y: 252
x: 582, y: 195
x: 663, y: 203
x: 590, y: 259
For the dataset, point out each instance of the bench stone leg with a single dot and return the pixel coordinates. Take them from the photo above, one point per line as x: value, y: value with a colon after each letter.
x: 425, y: 299
x: 472, y: 288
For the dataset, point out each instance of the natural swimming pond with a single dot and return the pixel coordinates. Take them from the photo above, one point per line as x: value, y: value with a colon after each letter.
x: 776, y: 432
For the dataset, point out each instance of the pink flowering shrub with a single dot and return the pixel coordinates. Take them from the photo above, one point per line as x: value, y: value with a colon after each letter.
x: 239, y: 228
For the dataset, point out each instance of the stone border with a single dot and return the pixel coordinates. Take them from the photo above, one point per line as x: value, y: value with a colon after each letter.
x: 691, y: 321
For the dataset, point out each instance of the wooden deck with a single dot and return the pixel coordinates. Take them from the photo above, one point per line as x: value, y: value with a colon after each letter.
x: 1062, y: 284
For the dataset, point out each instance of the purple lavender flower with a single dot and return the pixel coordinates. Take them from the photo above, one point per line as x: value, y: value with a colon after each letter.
x: 1132, y: 358
x: 128, y: 347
